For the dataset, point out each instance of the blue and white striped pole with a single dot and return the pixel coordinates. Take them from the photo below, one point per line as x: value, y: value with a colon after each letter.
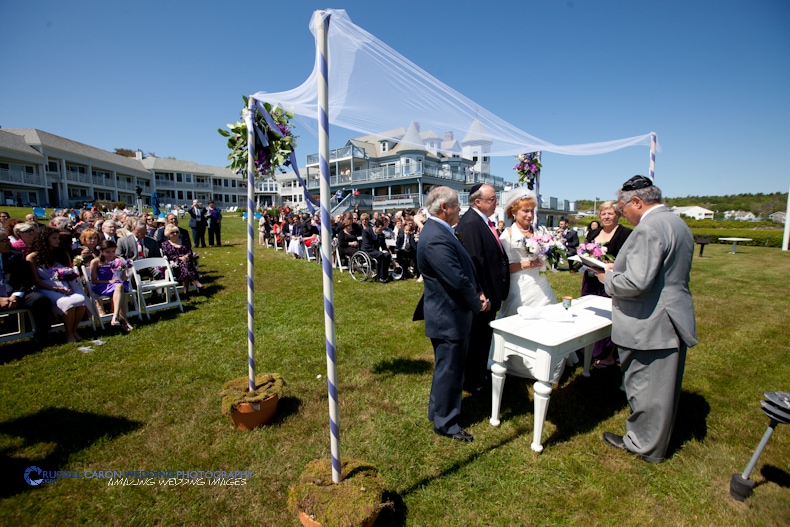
x: 653, y: 140
x: 249, y: 112
x: 326, y: 240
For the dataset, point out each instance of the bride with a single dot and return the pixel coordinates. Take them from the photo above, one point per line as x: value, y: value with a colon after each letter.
x: 527, y: 286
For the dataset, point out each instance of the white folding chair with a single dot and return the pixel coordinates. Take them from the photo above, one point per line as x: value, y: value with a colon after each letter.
x: 146, y: 285
x: 102, y: 299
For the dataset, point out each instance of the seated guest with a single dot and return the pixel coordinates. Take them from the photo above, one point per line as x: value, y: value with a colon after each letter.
x: 171, y: 219
x: 387, y: 228
x: 89, y: 245
x: 109, y: 230
x: 295, y: 246
x: 150, y: 222
x: 407, y: 251
x: 24, y: 233
x: 55, y: 279
x: 17, y: 292
x: 137, y: 245
x: 374, y: 244
x: 182, y: 259
x: 347, y: 243
x: 109, y: 278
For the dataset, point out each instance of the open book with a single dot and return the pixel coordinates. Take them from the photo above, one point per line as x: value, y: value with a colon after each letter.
x: 591, y: 262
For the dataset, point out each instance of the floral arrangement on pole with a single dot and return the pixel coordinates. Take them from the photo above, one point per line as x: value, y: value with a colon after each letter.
x: 273, y: 148
x: 528, y: 168
x: 545, y: 247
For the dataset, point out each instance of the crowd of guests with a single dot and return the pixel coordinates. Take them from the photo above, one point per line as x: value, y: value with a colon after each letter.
x: 385, y: 237
x: 40, y: 267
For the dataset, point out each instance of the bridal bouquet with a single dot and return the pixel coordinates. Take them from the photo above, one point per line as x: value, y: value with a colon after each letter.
x: 120, y: 265
x: 544, y: 247
x: 64, y: 274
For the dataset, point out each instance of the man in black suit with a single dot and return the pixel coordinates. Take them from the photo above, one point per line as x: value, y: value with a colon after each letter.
x: 374, y: 244
x: 571, y: 240
x: 478, y: 234
x: 198, y: 223
x: 16, y: 291
x: 406, y: 248
x: 452, y: 298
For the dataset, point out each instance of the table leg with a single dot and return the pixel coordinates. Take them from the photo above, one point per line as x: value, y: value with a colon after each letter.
x: 498, y: 372
x: 588, y: 351
x: 542, y: 396
x: 734, y: 244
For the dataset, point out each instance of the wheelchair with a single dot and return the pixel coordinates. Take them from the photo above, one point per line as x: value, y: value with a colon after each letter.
x: 362, y: 267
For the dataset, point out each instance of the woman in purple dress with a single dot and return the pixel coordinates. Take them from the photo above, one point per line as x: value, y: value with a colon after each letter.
x: 611, y: 235
x: 108, y: 278
x: 181, y: 258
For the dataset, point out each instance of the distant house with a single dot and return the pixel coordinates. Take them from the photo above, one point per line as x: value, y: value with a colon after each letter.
x: 778, y: 217
x: 739, y: 215
x: 698, y: 213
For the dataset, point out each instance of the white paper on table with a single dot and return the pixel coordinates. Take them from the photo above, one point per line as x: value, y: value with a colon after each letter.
x: 552, y: 313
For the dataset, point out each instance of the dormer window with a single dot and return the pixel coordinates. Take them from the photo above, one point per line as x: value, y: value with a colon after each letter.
x: 385, y: 146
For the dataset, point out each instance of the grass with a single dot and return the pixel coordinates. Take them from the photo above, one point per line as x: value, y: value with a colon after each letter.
x: 149, y: 401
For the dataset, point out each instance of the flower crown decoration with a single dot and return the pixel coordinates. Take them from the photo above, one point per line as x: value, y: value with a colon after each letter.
x: 273, y: 148
x: 528, y: 168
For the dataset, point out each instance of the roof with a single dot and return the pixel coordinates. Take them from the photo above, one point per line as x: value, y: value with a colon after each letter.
x: 17, y: 144
x: 96, y: 156
x: 476, y: 133
x: 163, y: 164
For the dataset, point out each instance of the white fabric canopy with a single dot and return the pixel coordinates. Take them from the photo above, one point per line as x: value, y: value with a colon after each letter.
x: 373, y: 89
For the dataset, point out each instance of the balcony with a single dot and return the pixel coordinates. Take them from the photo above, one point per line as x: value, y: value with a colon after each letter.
x: 401, y: 172
x: 339, y: 153
x: 21, y: 177
x: 78, y: 177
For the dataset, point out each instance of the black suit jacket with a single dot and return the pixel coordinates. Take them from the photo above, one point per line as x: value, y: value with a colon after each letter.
x: 489, y: 258
x: 197, y: 217
x: 571, y: 241
x: 371, y: 242
x: 18, y: 276
x: 411, y: 246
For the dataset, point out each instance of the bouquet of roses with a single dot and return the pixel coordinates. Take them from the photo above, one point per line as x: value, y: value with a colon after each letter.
x: 544, y: 247
x: 120, y: 266
x: 64, y: 274
x: 593, y: 250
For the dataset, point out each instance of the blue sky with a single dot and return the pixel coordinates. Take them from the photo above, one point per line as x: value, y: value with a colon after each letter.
x: 712, y: 77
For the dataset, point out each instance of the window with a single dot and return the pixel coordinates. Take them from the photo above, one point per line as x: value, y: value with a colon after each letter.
x: 179, y: 177
x: 53, y: 166
x: 188, y: 178
x: 385, y: 146
x: 474, y: 159
x: 180, y: 194
x: 224, y: 182
x: 485, y: 159
x: 189, y: 195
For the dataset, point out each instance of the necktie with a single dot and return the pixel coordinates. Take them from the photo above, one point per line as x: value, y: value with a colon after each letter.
x: 140, y: 251
x: 494, y: 232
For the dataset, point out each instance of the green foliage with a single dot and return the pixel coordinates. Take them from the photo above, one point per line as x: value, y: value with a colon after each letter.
x: 237, y: 391
x: 760, y: 204
x: 350, y: 503
x: 760, y: 238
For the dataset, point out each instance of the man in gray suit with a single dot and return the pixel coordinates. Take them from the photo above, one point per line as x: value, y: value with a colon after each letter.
x: 451, y: 300
x: 652, y: 316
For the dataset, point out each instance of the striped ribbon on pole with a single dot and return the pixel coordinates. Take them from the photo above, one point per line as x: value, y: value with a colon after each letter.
x: 536, y: 217
x: 653, y: 140
x: 249, y: 112
x: 326, y: 243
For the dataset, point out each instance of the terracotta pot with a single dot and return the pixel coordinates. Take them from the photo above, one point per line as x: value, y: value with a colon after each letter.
x: 307, y: 521
x: 249, y: 416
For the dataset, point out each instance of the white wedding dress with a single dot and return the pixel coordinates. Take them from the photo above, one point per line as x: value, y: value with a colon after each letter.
x: 527, y: 288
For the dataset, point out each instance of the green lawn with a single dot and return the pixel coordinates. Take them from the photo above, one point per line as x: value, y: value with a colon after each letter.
x: 149, y: 401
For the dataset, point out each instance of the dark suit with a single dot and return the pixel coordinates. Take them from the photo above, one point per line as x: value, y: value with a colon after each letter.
x: 571, y: 240
x: 406, y: 254
x: 375, y: 245
x: 653, y: 324
x: 450, y: 301
x: 18, y: 277
x: 127, y: 247
x: 198, y: 222
x: 493, y: 275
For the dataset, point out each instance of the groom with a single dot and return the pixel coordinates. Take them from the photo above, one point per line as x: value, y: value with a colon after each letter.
x: 652, y: 317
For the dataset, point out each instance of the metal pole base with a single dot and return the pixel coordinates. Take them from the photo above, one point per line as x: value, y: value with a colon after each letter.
x: 740, y: 487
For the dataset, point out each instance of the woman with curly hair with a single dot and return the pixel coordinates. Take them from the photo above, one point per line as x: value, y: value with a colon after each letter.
x: 55, y: 279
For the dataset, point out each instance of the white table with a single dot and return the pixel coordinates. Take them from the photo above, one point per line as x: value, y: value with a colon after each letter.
x: 735, y: 242
x: 544, y: 345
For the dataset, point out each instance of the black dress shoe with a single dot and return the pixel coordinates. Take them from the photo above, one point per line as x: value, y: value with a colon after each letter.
x: 461, y: 435
x: 614, y: 440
